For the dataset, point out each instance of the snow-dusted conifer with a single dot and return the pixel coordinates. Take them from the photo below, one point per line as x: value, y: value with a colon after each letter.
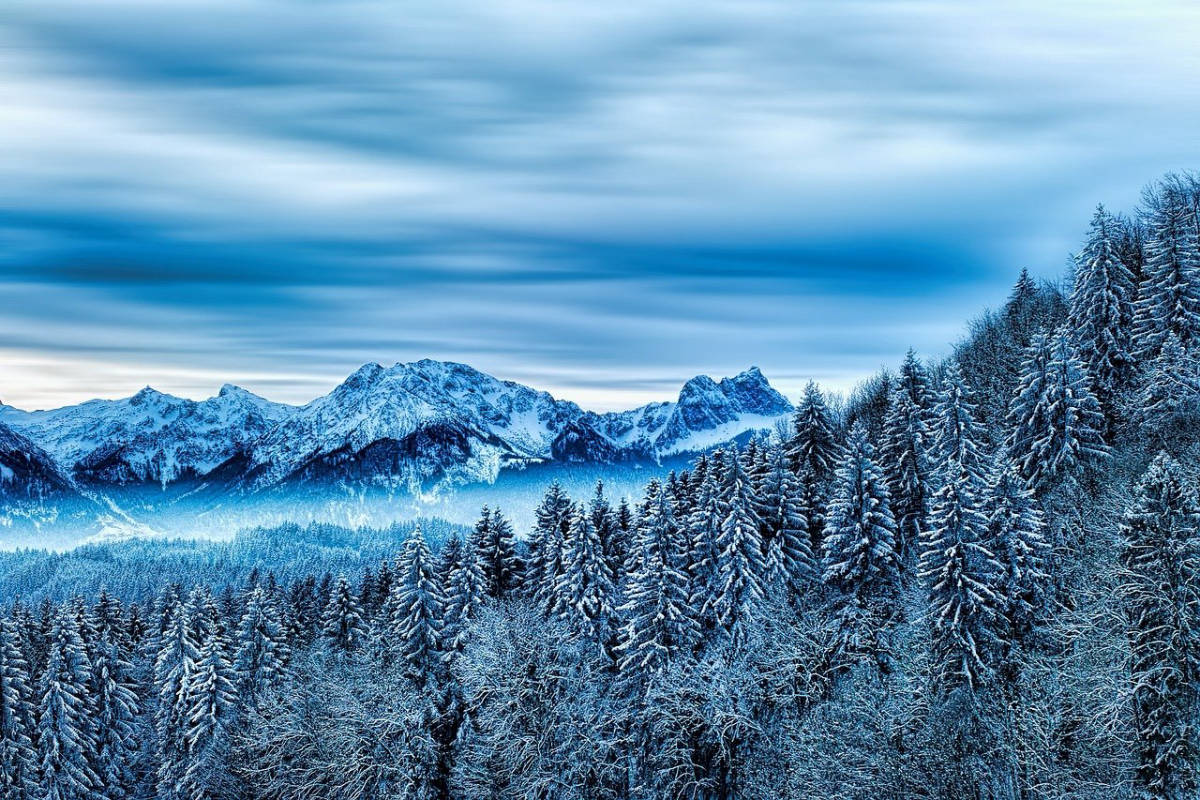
x: 1057, y: 426
x: 18, y: 758
x: 415, y: 629
x: 815, y: 445
x: 466, y: 592
x: 342, y: 621
x: 1101, y: 311
x: 788, y: 555
x: 740, y: 568
x: 212, y: 709
x: 547, y: 548
x: 496, y: 549
x: 1169, y: 294
x: 66, y: 733
x: 262, y: 649
x: 1161, y: 592
x: 116, y: 701
x: 657, y: 623
x: 586, y: 585
x: 903, y: 455
x: 1016, y: 537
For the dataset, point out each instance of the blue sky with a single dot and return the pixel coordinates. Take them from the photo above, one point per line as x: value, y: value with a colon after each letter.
x: 600, y: 199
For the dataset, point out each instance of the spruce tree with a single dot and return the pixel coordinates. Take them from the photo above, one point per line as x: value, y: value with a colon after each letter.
x: 496, y: 549
x: 212, y: 709
x: 788, y: 555
x: 657, y: 624
x: 586, y: 584
x: 1057, y: 426
x: 262, y: 653
x: 1161, y: 593
x: 547, y: 548
x: 904, y: 454
x: 1016, y: 537
x: 962, y: 573
x: 815, y: 445
x: 176, y: 655
x: 740, y: 568
x: 66, y: 733
x: 342, y: 621
x: 1169, y: 293
x: 859, y: 556
x: 18, y: 758
x: 116, y: 702
x: 415, y: 629
x: 466, y: 592
x: 1101, y: 311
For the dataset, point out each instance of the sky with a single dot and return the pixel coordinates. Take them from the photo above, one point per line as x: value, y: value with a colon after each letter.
x: 598, y: 199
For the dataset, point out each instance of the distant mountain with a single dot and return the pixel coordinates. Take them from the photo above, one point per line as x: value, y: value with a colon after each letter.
x: 410, y: 429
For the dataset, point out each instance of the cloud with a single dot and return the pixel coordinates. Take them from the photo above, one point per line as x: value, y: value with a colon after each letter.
x: 604, y: 199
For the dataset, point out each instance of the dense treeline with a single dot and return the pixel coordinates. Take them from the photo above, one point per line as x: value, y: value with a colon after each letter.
x: 978, y: 580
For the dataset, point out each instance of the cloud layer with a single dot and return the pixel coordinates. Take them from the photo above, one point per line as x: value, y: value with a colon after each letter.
x: 602, y: 199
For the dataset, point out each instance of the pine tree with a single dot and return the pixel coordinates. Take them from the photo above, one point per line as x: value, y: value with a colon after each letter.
x: 703, y: 530
x: 961, y: 571
x: 604, y: 520
x: 815, y: 445
x: 262, y: 649
x: 586, y: 584
x: 212, y: 708
x: 176, y: 654
x: 342, y: 621
x: 788, y: 555
x: 740, y: 567
x: 1057, y: 426
x: 1169, y: 294
x: 547, y: 548
x: 496, y: 547
x: 466, y: 592
x: 415, y: 629
x: 1016, y: 537
x: 116, y: 701
x: 1101, y: 313
x: 66, y: 734
x: 904, y: 453
x: 657, y: 622
x: 1170, y: 392
x: 859, y: 556
x: 1162, y: 600
x: 18, y: 758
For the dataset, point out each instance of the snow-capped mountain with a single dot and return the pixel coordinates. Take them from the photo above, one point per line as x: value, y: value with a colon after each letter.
x: 151, y: 437
x: 414, y: 429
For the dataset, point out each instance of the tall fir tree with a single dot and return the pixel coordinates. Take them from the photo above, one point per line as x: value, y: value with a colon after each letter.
x: 342, y: 624
x: 18, y: 758
x: 962, y: 573
x: 547, y: 549
x: 657, y: 623
x: 1016, y: 537
x: 903, y: 455
x: 1057, y: 427
x: 1161, y: 593
x: 815, y: 445
x: 1101, y: 311
x: 740, y: 569
x: 788, y: 557
x: 262, y: 655
x: 212, y: 710
x: 496, y: 549
x: 415, y: 628
x: 66, y: 733
x: 176, y: 655
x: 116, y: 701
x: 466, y: 592
x: 1169, y: 294
x: 586, y: 584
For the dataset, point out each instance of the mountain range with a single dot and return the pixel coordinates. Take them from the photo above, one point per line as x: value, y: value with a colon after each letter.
x: 410, y: 429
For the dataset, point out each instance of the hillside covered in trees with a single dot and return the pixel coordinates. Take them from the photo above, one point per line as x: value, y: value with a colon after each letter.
x: 976, y: 579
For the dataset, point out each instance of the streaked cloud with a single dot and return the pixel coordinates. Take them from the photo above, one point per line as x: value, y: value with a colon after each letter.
x: 602, y: 199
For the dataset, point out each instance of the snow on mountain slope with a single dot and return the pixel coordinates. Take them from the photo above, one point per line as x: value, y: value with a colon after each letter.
x: 409, y: 423
x: 150, y: 437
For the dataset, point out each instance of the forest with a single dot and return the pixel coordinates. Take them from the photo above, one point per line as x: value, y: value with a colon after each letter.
x: 976, y: 578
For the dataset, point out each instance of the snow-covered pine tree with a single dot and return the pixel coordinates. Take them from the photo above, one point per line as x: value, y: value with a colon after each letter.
x: 1170, y: 390
x: 175, y: 661
x: 496, y: 547
x: 604, y: 520
x: 66, y: 733
x: 212, y: 709
x: 1101, y: 313
x: 788, y: 555
x: 415, y: 629
x: 262, y: 655
x: 18, y: 758
x: 815, y: 445
x: 703, y: 530
x: 1057, y: 426
x: 586, y: 584
x: 1161, y: 592
x: 859, y: 556
x: 962, y: 573
x: 740, y: 569
x: 116, y: 701
x: 657, y: 624
x: 903, y: 454
x: 466, y: 592
x: 1169, y: 294
x: 547, y: 547
x: 1016, y: 537
x: 342, y: 623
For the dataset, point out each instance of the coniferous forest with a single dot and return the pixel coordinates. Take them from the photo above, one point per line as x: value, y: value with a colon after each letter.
x: 975, y: 578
